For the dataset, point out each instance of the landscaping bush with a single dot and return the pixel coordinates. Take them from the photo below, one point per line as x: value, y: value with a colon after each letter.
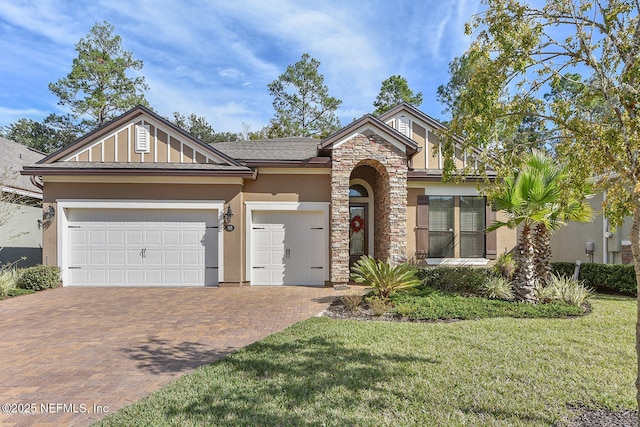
x: 352, y: 300
x: 504, y: 266
x: 385, y: 278
x: 8, y: 281
x: 39, y: 277
x: 463, y: 280
x: 618, y: 278
x: 563, y: 288
x: 497, y: 288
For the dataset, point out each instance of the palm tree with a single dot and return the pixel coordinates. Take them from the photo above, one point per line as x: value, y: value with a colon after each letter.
x: 534, y: 199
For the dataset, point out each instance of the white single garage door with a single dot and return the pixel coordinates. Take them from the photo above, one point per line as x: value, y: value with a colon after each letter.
x: 142, y: 247
x: 288, y: 248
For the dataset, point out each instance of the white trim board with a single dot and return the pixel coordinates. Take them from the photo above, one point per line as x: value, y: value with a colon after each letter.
x: 62, y: 221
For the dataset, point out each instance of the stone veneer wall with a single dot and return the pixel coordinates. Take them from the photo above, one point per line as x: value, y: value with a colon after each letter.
x: 390, y: 195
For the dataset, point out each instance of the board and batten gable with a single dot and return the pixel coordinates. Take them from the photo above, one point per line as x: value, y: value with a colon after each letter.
x: 142, y: 140
x: 423, y: 130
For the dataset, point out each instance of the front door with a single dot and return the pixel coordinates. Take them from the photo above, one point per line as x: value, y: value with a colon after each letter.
x: 358, y: 242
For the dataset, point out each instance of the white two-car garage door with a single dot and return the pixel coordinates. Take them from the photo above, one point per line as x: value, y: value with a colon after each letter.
x: 142, y: 247
x: 288, y: 248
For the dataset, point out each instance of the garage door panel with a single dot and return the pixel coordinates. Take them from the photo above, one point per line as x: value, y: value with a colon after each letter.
x: 78, y: 257
x: 116, y: 257
x: 142, y: 247
x: 172, y: 237
x: 192, y: 276
x: 153, y: 238
x: 116, y: 276
x: 115, y: 237
x: 134, y: 237
x: 97, y: 237
x: 98, y: 257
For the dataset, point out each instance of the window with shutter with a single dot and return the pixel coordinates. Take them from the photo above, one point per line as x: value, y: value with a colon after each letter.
x: 422, y: 227
x: 142, y: 138
x: 472, y: 223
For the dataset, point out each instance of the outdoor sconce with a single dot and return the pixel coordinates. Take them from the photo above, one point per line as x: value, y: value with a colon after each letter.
x: 227, y: 219
x: 47, y: 217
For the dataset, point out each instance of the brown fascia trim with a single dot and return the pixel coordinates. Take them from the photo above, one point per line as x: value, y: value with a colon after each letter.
x: 424, y: 175
x: 314, y: 162
x: 137, y: 172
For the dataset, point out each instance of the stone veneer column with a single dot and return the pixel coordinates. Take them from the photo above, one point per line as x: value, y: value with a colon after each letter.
x: 391, y: 201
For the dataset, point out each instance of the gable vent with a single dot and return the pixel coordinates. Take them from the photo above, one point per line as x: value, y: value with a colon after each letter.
x: 142, y: 138
x: 403, y: 126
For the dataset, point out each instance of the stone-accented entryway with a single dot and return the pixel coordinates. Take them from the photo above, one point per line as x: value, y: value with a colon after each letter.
x: 390, y: 200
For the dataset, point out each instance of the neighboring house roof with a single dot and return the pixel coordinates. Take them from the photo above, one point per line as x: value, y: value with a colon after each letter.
x: 14, y: 157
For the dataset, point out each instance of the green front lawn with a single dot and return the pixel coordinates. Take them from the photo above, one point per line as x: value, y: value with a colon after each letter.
x: 497, y: 371
x: 431, y: 304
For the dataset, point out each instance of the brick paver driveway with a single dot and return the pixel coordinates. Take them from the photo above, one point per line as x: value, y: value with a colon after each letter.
x: 72, y: 354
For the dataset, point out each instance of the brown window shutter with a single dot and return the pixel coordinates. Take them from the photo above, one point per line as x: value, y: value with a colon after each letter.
x: 491, y: 238
x: 422, y: 227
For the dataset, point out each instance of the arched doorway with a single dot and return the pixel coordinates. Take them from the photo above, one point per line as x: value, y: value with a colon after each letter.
x: 361, y: 214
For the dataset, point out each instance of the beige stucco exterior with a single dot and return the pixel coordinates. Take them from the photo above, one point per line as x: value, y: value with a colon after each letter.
x: 568, y: 243
x: 369, y: 153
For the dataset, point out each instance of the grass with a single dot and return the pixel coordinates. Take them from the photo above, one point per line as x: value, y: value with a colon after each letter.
x: 431, y: 304
x: 490, y: 372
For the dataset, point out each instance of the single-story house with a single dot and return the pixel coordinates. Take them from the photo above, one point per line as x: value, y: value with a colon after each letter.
x: 140, y: 202
x: 20, y: 207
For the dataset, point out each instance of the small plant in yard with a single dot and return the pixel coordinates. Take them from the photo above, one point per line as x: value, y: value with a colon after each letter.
x: 386, y: 279
x: 562, y: 288
x: 497, y: 288
x: 8, y: 280
x: 505, y: 265
x: 352, y: 301
x: 378, y: 305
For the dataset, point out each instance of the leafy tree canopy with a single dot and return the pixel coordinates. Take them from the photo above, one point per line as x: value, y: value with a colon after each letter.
x: 199, y: 127
x: 394, y: 91
x: 52, y: 133
x: 522, y: 49
x: 302, y: 103
x: 98, y: 88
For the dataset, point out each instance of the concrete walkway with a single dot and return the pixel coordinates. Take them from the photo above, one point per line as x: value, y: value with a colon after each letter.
x: 71, y: 355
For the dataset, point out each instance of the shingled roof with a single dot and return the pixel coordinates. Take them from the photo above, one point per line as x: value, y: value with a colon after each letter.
x: 14, y: 157
x: 291, y: 148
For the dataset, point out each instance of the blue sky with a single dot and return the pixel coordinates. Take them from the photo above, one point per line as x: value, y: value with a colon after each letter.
x: 215, y: 58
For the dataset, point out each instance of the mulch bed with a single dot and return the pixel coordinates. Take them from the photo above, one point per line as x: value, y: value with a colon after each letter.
x: 584, y: 417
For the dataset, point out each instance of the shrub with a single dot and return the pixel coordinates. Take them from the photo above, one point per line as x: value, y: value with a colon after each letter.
x: 562, y: 288
x: 618, y: 278
x: 504, y: 266
x: 39, y: 277
x: 464, y: 280
x: 8, y: 281
x: 385, y: 278
x: 497, y: 288
x: 378, y: 305
x: 352, y: 301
